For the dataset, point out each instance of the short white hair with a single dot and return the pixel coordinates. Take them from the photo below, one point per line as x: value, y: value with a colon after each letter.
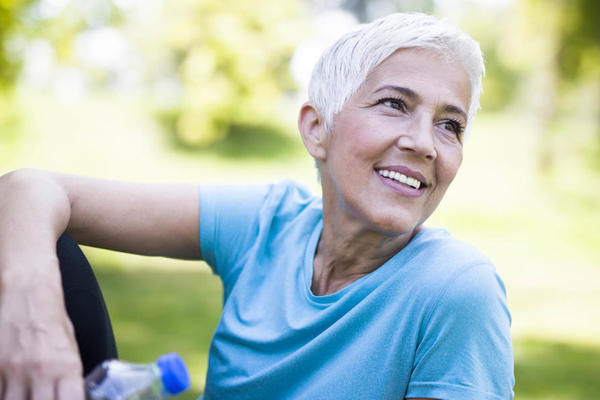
x: 344, y: 66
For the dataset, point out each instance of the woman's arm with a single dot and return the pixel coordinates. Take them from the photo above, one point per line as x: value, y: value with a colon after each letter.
x: 150, y: 219
x: 37, y: 349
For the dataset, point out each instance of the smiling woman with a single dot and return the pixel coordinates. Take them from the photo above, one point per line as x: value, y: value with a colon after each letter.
x: 344, y: 296
x: 403, y: 119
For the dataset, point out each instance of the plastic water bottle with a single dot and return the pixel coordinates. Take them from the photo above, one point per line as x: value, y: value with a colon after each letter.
x: 118, y: 380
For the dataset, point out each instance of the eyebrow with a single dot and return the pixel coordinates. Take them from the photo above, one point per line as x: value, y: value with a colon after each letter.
x: 404, y: 90
x: 449, y: 108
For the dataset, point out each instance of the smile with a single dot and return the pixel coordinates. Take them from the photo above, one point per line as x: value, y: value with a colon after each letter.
x: 398, y: 177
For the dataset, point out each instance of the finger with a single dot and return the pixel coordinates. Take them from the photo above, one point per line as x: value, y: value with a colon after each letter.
x: 70, y: 388
x: 15, y: 390
x: 42, y: 391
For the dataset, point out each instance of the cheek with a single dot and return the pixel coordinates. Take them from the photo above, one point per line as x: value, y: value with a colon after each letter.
x: 365, y: 138
x: 349, y: 142
x: 449, y: 166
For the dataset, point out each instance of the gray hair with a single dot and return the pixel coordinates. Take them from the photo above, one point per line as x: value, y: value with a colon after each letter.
x: 344, y: 66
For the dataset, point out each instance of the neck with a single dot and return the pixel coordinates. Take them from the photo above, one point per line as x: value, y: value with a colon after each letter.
x: 348, y: 251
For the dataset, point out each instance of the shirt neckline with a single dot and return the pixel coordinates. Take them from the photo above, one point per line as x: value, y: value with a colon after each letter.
x: 379, y: 275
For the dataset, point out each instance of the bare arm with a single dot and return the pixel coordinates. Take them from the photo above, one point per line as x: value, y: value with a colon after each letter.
x: 150, y: 219
x: 38, y: 353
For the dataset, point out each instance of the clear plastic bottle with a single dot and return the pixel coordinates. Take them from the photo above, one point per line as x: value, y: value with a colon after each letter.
x: 118, y: 380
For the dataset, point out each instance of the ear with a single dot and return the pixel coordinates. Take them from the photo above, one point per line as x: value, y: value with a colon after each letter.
x: 312, y: 130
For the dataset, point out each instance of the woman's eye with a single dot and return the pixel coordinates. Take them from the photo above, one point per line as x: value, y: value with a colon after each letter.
x: 453, y: 126
x: 396, y: 104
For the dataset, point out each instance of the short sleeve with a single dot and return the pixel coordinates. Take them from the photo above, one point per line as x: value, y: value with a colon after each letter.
x: 229, y: 217
x: 465, y: 349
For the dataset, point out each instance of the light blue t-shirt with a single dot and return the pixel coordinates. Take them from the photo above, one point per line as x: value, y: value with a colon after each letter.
x: 430, y: 322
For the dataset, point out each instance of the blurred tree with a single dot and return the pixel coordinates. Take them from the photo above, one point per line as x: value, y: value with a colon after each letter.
x: 57, y: 23
x: 579, y: 58
x: 223, y: 63
x: 10, y: 11
x: 579, y: 39
x: 570, y: 36
x: 10, y: 64
x: 231, y: 59
x: 52, y: 26
x: 368, y: 10
x: 504, y: 72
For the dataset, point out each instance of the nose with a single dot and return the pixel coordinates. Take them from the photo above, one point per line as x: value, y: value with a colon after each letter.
x: 417, y: 137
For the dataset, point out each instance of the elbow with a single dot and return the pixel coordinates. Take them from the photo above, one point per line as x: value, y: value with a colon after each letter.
x: 20, y: 177
x: 25, y: 182
x: 29, y: 183
x: 36, y: 197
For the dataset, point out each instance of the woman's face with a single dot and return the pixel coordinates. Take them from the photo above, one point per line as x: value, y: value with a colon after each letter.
x: 396, y: 145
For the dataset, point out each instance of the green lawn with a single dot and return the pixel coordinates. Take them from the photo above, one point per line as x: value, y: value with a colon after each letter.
x: 155, y: 312
x: 540, y: 233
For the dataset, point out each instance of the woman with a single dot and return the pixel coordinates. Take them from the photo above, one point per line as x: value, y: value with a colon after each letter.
x: 344, y: 297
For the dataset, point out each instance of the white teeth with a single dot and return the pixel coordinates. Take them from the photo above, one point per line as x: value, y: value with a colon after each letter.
x: 414, y: 183
x: 397, y: 176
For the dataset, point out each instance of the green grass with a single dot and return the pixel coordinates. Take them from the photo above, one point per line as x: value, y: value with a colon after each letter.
x: 556, y: 370
x: 154, y: 312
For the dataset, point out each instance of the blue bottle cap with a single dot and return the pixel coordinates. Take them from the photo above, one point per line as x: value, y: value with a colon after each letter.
x: 175, y: 377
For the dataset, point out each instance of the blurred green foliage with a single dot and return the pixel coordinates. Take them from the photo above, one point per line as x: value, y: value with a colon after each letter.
x: 10, y: 64
x: 232, y: 58
x: 503, y: 75
x: 229, y: 58
x: 22, y: 21
x: 579, y: 42
x: 10, y: 11
x: 568, y: 34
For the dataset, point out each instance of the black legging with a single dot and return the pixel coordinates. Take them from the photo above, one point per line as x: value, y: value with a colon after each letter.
x: 85, y: 305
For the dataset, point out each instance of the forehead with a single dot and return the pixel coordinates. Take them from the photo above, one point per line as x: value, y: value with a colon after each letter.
x: 424, y: 71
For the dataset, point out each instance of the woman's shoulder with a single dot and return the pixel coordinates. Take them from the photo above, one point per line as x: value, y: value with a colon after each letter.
x: 440, y: 261
x: 291, y: 190
x: 288, y: 198
x: 286, y: 195
x: 439, y: 247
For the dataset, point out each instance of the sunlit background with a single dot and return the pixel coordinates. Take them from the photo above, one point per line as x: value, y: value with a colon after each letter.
x: 204, y: 90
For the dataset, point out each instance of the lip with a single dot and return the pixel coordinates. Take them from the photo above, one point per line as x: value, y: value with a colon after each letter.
x: 400, y: 188
x: 405, y: 171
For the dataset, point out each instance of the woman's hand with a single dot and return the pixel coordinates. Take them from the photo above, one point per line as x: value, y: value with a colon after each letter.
x: 39, y: 358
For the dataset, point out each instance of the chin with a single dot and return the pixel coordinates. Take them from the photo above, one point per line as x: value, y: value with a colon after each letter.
x: 394, y: 225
